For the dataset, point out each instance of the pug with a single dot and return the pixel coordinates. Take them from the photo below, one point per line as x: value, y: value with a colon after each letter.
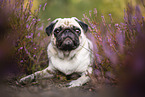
x: 69, y: 51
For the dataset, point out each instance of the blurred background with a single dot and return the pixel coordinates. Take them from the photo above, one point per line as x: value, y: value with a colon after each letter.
x: 76, y: 8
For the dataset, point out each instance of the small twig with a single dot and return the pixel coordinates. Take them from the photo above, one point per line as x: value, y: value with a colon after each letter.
x: 28, y: 53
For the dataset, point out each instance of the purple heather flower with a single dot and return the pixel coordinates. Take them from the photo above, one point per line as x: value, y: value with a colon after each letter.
x: 92, y: 26
x: 84, y: 15
x: 38, y: 34
x: 30, y: 36
x: 39, y: 7
x: 48, y: 19
x: 116, y: 25
x: 90, y: 13
x: 102, y: 16
x: 27, y: 25
x: 89, y: 28
x: 95, y: 11
x: 44, y: 6
x: 21, y: 61
x: 21, y: 48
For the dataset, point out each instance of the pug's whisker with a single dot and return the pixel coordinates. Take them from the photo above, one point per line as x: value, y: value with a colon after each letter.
x: 87, y: 49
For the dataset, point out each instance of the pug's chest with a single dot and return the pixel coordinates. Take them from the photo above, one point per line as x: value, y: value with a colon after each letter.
x: 65, y: 66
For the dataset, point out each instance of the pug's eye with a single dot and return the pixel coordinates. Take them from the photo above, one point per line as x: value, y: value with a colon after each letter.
x: 77, y: 30
x: 56, y: 31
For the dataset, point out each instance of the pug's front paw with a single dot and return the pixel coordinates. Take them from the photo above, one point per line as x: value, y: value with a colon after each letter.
x: 27, y: 79
x: 74, y: 83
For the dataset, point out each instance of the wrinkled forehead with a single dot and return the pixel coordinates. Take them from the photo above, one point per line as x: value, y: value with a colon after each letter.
x: 67, y: 22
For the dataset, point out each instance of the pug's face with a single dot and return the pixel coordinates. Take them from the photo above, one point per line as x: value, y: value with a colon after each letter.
x: 67, y: 38
x: 66, y: 33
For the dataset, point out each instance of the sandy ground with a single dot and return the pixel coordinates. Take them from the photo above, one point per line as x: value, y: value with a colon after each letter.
x: 44, y: 88
x: 55, y: 87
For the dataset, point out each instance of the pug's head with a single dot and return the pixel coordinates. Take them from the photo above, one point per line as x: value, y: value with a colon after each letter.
x: 66, y: 33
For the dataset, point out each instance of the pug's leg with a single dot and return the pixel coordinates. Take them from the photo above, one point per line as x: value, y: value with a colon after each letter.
x: 80, y: 81
x: 46, y: 73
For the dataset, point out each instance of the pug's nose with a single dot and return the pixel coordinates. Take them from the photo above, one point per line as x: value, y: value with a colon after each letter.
x: 67, y: 31
x: 68, y: 41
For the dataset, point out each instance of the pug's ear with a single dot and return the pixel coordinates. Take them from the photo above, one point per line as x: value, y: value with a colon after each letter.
x: 49, y: 29
x: 82, y: 24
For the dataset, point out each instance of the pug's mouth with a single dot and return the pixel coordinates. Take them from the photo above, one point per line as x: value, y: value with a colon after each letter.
x: 67, y: 44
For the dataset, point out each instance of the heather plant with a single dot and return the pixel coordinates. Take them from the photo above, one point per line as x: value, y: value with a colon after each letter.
x: 25, y: 35
x: 113, y: 43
